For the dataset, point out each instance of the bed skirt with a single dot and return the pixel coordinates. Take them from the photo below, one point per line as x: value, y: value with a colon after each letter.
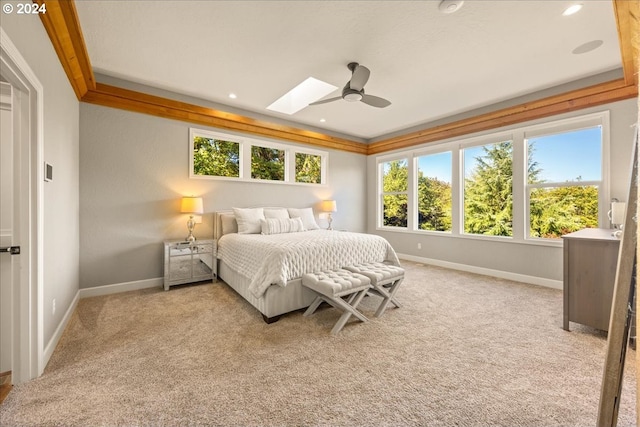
x: 276, y: 300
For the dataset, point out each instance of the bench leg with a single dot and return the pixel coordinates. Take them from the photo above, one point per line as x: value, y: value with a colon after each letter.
x: 313, y: 307
x: 349, y: 309
x: 388, y: 296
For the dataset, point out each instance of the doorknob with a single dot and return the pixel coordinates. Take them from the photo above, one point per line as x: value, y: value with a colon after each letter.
x: 13, y: 250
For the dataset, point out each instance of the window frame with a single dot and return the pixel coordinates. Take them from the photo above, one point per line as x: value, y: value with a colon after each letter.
x: 380, y: 199
x: 245, y: 158
x: 454, y: 167
x: 519, y: 136
x: 566, y: 126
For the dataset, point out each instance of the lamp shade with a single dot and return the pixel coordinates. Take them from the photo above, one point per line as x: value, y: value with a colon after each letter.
x: 329, y: 206
x: 192, y: 205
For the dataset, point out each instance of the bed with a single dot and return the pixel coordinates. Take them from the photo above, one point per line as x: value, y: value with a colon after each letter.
x: 266, y: 270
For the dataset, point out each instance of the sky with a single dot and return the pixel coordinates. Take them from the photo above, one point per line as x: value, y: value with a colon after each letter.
x: 561, y: 157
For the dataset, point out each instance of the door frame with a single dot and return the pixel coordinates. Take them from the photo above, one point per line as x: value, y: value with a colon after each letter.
x: 28, y: 315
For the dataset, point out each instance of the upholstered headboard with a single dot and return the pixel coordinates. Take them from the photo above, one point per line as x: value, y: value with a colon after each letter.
x: 218, y: 218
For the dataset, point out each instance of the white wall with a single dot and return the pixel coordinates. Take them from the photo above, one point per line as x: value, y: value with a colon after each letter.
x: 536, y: 261
x: 134, y: 168
x: 61, y: 136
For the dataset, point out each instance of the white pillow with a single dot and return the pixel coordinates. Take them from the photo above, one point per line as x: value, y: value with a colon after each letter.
x: 280, y: 213
x: 306, y: 214
x: 279, y: 225
x: 249, y: 220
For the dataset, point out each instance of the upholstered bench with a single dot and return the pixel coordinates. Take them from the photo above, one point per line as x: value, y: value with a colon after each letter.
x: 385, y: 281
x: 332, y: 287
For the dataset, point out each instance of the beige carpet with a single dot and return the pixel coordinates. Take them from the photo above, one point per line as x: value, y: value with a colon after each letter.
x: 464, y: 350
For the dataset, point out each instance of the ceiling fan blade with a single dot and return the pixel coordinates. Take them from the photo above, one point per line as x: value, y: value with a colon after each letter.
x: 359, y: 77
x: 375, y: 101
x: 324, y: 101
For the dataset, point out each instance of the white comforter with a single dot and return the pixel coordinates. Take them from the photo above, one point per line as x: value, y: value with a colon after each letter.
x: 278, y: 258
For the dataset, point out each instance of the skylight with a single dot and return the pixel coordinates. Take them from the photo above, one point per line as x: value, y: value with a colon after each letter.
x: 310, y: 90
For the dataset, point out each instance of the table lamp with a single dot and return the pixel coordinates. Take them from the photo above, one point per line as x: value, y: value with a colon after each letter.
x: 329, y: 206
x: 191, y: 205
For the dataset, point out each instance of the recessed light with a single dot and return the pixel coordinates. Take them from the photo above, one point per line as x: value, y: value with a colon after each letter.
x: 574, y: 8
x: 322, y: 120
x: 233, y: 96
x: 587, y: 47
x: 450, y: 6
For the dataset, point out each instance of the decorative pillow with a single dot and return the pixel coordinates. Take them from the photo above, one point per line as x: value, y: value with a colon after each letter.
x: 306, y: 214
x: 229, y: 224
x: 279, y: 225
x: 249, y: 220
x: 280, y: 213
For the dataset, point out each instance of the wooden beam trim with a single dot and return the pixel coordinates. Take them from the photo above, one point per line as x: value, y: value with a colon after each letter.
x: 626, y: 13
x: 466, y: 127
x: 517, y: 109
x: 183, y: 106
x: 63, y: 28
x: 161, y: 107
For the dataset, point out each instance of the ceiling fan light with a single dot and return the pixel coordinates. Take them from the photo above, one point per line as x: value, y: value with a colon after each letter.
x: 353, y: 97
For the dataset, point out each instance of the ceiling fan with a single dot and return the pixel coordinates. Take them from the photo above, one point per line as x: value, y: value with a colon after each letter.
x: 354, y: 89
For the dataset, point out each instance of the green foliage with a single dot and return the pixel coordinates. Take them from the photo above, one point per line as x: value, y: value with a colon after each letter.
x: 488, y: 195
x: 434, y: 204
x: 561, y: 210
x: 267, y: 163
x: 395, y: 180
x: 308, y: 168
x: 215, y: 157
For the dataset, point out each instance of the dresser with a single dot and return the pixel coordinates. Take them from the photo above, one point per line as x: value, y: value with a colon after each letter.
x: 590, y: 262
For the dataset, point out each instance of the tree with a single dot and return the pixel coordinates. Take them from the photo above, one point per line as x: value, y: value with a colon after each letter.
x: 488, y: 195
x: 395, y: 180
x: 267, y: 163
x: 557, y: 211
x: 434, y: 204
x: 308, y: 168
x: 215, y: 157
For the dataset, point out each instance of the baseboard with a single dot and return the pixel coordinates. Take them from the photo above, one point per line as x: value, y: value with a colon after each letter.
x: 121, y: 287
x: 53, y: 342
x: 533, y: 280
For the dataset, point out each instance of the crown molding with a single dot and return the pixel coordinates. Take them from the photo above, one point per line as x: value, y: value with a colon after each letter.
x: 125, y: 99
x: 591, y: 96
x: 63, y: 27
x: 628, y: 22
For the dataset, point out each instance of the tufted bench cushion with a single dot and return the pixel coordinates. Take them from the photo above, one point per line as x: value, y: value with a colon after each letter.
x: 332, y: 286
x: 336, y: 283
x: 385, y: 281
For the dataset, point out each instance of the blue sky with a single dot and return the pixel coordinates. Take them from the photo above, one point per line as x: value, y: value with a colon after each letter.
x: 561, y: 157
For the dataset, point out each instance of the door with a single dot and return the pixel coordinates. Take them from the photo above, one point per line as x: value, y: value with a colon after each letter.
x: 8, y: 263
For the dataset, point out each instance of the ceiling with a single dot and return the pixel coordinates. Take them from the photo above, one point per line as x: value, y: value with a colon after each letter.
x: 429, y: 64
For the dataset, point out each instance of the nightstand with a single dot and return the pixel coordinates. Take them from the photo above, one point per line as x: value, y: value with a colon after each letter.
x: 189, y: 262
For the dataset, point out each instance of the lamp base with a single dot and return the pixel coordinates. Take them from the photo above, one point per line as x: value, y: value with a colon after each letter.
x: 330, y: 221
x: 191, y: 224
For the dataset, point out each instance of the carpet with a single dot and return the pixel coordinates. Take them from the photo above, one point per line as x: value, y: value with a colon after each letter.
x: 464, y: 350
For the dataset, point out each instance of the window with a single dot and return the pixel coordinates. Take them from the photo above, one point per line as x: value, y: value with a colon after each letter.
x: 267, y: 163
x: 395, y: 193
x: 531, y: 184
x: 308, y: 168
x: 564, y: 175
x: 216, y: 155
x: 434, y: 192
x: 488, y: 192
